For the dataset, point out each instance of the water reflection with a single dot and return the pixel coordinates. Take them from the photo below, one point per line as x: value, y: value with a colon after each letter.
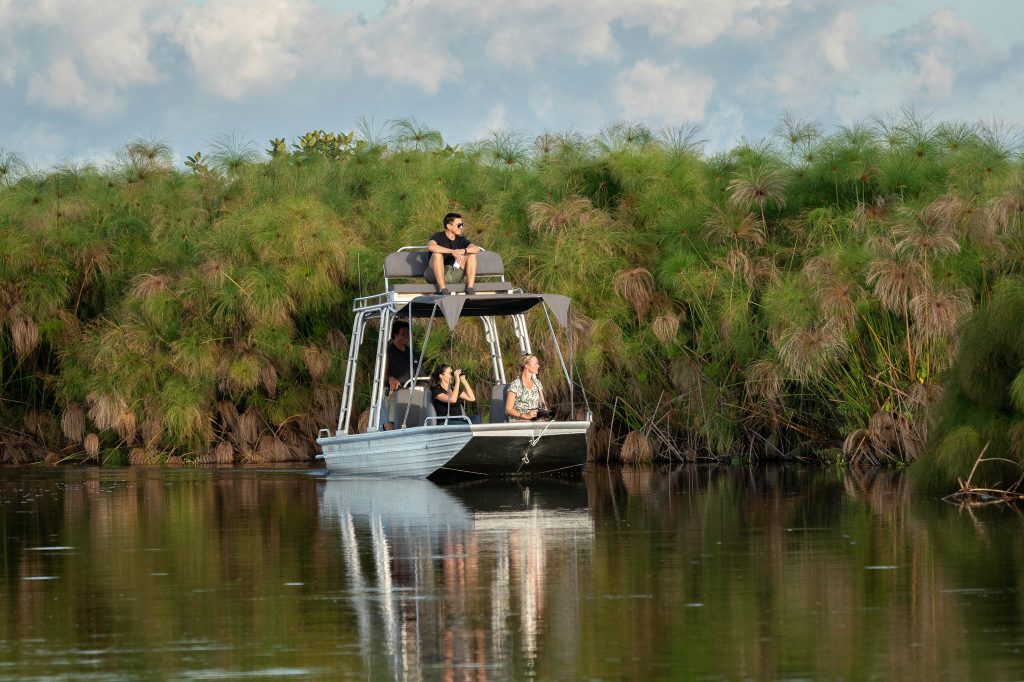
x: 695, y: 573
x: 451, y: 580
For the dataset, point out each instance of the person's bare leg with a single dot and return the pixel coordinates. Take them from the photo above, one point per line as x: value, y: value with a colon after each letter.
x: 470, y: 269
x: 437, y: 267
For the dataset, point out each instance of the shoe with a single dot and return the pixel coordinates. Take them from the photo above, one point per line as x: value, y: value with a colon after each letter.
x: 444, y: 292
x: 470, y: 291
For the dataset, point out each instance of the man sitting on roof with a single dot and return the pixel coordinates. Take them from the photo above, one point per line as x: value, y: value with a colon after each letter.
x: 452, y: 257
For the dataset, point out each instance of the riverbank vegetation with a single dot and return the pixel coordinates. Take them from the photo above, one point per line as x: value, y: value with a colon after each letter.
x: 797, y: 296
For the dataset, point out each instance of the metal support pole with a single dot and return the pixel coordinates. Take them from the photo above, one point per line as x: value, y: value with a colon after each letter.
x: 345, y: 414
x: 377, y: 390
x: 494, y: 343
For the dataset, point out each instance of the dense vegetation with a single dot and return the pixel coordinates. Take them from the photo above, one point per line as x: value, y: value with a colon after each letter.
x: 793, y: 296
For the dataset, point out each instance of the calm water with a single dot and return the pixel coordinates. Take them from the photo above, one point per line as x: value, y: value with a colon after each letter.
x: 691, y: 574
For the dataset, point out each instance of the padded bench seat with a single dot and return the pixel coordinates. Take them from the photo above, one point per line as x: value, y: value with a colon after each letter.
x: 406, y: 265
x: 480, y: 287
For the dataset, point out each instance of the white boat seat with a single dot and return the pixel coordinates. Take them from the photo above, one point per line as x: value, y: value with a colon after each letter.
x: 498, y: 396
x: 418, y: 401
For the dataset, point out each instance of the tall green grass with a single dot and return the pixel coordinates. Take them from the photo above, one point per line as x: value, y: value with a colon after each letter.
x: 787, y: 297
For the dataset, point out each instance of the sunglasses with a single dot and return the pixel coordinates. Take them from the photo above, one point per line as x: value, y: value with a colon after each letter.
x: 459, y: 224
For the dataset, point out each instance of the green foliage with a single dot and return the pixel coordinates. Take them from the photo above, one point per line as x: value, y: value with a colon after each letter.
x: 742, y: 288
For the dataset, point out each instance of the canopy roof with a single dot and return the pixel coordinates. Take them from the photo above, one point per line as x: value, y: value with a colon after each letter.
x: 454, y: 307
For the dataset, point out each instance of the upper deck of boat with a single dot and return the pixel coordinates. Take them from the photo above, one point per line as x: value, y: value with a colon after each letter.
x: 406, y: 290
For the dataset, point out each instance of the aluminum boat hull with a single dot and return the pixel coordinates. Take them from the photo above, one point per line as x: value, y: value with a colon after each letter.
x: 489, y: 450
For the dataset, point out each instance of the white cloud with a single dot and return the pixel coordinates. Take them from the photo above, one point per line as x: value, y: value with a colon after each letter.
x: 836, y: 39
x: 61, y: 85
x: 661, y: 93
x: 936, y: 51
x: 934, y: 77
x: 78, y: 56
x: 409, y: 44
x: 238, y: 45
x: 518, y: 35
x: 945, y: 23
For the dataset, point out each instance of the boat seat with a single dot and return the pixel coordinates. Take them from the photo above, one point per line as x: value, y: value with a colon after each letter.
x: 418, y: 401
x: 498, y: 396
x: 492, y: 287
x: 412, y: 265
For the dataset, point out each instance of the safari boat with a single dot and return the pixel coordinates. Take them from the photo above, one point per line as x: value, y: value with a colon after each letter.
x: 419, y: 446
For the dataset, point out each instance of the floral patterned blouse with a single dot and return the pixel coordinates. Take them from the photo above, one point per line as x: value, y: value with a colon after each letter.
x: 526, y: 398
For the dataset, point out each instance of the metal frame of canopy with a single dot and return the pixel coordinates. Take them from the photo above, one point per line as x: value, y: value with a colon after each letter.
x: 387, y: 308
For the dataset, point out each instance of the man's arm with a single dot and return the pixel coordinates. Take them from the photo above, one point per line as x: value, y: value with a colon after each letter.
x: 434, y: 247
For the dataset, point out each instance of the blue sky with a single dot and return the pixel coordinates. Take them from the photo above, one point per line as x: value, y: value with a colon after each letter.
x: 77, y: 80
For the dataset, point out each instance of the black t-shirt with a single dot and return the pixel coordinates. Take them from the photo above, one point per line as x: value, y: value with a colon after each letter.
x: 442, y: 407
x: 441, y: 239
x: 398, y: 362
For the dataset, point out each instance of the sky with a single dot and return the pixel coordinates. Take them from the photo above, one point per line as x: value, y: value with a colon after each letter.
x: 79, y: 79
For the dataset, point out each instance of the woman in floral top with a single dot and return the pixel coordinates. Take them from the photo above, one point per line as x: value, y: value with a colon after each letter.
x: 525, y: 394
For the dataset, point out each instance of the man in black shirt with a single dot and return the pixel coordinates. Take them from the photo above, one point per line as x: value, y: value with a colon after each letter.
x: 396, y: 371
x: 452, y: 256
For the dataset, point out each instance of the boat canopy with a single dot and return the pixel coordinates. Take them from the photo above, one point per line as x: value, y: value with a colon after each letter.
x: 402, y: 299
x: 492, y: 305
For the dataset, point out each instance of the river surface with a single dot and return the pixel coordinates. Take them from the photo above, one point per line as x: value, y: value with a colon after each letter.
x: 693, y: 573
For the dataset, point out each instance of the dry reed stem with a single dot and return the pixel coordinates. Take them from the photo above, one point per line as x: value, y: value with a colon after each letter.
x: 971, y: 496
x: 272, y: 449
x: 364, y: 421
x: 317, y: 361
x: 228, y: 414
x: 636, y: 287
x: 148, y: 284
x: 937, y: 313
x: 24, y: 334
x: 666, y: 327
x: 599, y: 444
x: 336, y: 340
x: 250, y: 456
x: 124, y: 424
x: 636, y: 449
x: 92, y: 445
x: 104, y: 408
x: 143, y: 456
x: 268, y: 377
x: 764, y: 381
x: 152, y: 429
x: 249, y: 426
x: 224, y: 453
x: 72, y: 422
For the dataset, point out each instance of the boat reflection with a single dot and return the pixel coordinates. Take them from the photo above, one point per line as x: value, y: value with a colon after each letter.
x: 463, y: 580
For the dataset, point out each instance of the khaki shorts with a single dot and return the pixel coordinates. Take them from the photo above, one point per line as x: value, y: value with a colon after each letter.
x: 452, y: 275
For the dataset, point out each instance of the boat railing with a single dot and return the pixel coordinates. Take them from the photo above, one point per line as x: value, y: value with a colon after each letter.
x: 433, y: 421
